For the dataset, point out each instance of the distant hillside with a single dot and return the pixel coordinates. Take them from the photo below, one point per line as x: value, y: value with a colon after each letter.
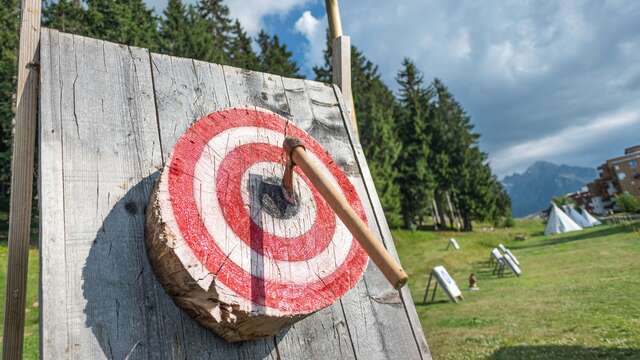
x: 532, y: 190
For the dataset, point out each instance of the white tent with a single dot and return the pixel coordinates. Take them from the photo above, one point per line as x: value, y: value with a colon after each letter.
x: 590, y: 218
x: 576, y: 216
x: 559, y: 222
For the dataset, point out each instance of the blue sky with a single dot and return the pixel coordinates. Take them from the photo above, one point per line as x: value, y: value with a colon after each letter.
x: 542, y: 80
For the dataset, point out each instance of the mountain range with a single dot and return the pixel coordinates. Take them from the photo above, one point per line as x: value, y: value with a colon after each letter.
x: 532, y: 190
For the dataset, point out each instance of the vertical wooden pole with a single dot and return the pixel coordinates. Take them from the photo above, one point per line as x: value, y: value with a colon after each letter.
x: 436, y: 215
x: 426, y: 291
x: 341, y: 59
x: 433, y: 296
x: 333, y: 14
x: 342, y: 73
x: 22, y: 178
x: 453, y: 222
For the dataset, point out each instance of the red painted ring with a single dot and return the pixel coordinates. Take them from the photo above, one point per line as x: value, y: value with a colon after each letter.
x: 302, y: 247
x: 288, y: 298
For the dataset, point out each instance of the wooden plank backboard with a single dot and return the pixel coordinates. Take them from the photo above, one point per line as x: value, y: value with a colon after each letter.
x: 109, y: 116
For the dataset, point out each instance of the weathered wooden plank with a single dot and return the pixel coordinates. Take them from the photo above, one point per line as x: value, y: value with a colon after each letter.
x: 109, y: 145
x: 119, y: 110
x: 250, y: 88
x: 316, y: 336
x: 23, y: 150
x: 363, y: 325
x: 385, y: 233
x: 341, y: 62
x: 111, y: 148
x: 372, y: 312
x: 185, y: 91
x: 324, y: 334
x: 51, y: 188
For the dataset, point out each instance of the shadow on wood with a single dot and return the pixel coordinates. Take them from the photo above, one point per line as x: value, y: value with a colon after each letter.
x: 127, y: 309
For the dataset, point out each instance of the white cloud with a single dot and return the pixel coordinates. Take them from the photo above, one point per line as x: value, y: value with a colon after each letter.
x: 251, y: 12
x: 314, y: 31
x: 460, y: 47
x: 570, y: 140
x: 307, y: 25
x: 524, y: 70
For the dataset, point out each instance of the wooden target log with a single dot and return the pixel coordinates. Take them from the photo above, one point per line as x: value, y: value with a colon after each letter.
x: 228, y: 245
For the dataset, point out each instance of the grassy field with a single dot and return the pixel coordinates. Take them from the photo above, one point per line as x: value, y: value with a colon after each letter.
x: 577, y: 299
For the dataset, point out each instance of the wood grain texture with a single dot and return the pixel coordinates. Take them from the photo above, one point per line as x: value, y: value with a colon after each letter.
x: 385, y: 234
x: 335, y: 23
x: 341, y: 65
x: 52, y: 264
x: 113, y: 115
x: 324, y: 333
x: 23, y: 150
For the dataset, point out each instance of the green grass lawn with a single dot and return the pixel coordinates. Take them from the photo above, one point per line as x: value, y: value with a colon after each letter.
x: 578, y: 297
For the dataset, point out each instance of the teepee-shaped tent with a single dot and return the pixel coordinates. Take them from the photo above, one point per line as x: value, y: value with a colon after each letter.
x: 559, y: 222
x: 589, y: 218
x: 576, y: 216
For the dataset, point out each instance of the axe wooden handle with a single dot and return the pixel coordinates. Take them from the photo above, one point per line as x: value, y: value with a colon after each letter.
x: 380, y: 256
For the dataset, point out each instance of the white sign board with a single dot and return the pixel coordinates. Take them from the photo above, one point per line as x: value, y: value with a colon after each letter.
x: 495, y: 253
x: 515, y: 268
x: 447, y: 283
x: 513, y: 257
x: 453, y: 242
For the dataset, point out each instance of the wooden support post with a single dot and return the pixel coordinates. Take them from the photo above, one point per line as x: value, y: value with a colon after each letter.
x: 297, y: 154
x: 453, y: 218
x: 436, y: 215
x: 426, y: 290
x: 22, y: 179
x: 499, y: 268
x: 341, y: 59
x: 433, y: 296
x: 335, y: 23
x: 342, y: 74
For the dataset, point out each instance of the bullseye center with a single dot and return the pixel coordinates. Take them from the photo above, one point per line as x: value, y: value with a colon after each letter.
x: 271, y: 198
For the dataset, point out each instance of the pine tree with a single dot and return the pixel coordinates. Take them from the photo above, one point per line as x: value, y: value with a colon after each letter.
x: 275, y: 58
x: 219, y: 25
x: 240, y: 52
x: 375, y: 108
x: 416, y: 180
x: 449, y: 141
x: 474, y: 188
x: 126, y: 22
x: 460, y: 166
x: 9, y: 17
x: 65, y: 15
x: 174, y: 29
x: 184, y: 33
